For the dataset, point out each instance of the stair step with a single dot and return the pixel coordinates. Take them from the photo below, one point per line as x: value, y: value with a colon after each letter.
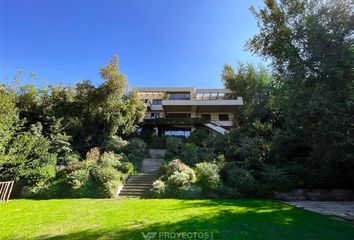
x: 135, y: 187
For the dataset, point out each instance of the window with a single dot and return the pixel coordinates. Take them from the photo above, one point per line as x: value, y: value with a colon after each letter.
x: 206, y: 116
x: 223, y: 117
x: 156, y: 102
x: 178, y: 96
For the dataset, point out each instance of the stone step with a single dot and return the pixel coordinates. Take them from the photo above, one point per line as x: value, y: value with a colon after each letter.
x: 135, y: 191
x: 137, y: 187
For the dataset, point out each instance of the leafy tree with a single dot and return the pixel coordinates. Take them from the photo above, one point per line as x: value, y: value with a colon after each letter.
x: 9, y: 117
x: 310, y: 45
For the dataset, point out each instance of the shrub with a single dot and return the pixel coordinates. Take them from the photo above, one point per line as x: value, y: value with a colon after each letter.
x: 205, y: 154
x: 107, y: 179
x: 135, y: 151
x: 158, y: 188
x: 158, y: 142
x: 240, y: 179
x: 40, y: 175
x: 189, y: 154
x: 93, y: 154
x: 274, y: 178
x: 29, y: 160
x: 77, y: 178
x: 114, y: 144
x: 208, y: 178
x: 174, y: 145
x: 177, y: 166
x: 110, y: 159
x: 179, y: 179
x: 199, y: 137
x: 126, y: 168
x: 191, y: 192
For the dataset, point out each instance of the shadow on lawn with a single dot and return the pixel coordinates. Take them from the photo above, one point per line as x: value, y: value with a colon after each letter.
x: 270, y: 220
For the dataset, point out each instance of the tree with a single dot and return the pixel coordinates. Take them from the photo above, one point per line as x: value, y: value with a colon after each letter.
x: 9, y: 117
x: 310, y: 45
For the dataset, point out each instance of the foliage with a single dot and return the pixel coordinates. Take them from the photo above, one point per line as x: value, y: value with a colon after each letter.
x: 78, y: 178
x: 208, y: 178
x: 199, y: 137
x: 9, y: 118
x: 310, y: 45
x: 93, y: 155
x: 135, y: 151
x: 174, y: 146
x: 239, y: 179
x: 114, y: 144
x: 27, y: 153
x: 189, y: 154
x: 107, y: 179
x: 191, y: 192
x: 275, y: 178
x: 158, y: 142
x: 177, y: 166
x: 158, y: 188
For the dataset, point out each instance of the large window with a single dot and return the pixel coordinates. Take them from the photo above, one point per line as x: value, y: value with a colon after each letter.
x: 223, y: 117
x: 184, y: 133
x: 178, y: 96
x: 156, y: 102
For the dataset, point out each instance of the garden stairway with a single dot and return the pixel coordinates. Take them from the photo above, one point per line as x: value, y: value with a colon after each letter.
x: 139, y: 185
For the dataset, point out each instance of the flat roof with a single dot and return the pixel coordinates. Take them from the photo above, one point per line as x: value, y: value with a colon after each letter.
x: 182, y: 89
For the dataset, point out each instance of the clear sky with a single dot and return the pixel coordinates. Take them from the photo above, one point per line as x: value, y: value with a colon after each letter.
x: 159, y: 42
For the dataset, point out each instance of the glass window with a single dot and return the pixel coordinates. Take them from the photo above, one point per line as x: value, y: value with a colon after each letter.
x: 156, y: 102
x: 178, y: 96
x: 223, y: 117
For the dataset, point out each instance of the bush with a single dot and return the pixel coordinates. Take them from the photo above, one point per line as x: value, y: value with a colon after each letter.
x: 40, y: 175
x: 191, y: 192
x: 29, y: 160
x: 107, y: 179
x: 114, y: 144
x: 274, y: 178
x: 208, y: 178
x: 174, y: 145
x: 189, y: 154
x: 179, y: 179
x: 241, y: 180
x: 200, y: 137
x: 177, y: 166
x: 158, y: 142
x: 126, y: 168
x: 78, y: 178
x: 135, y: 151
x: 158, y: 188
x: 110, y: 159
x: 93, y: 154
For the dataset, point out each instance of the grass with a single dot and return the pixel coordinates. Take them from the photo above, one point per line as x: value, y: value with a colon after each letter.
x: 128, y: 218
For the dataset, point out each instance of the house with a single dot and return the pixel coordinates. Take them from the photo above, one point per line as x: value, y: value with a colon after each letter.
x: 180, y: 110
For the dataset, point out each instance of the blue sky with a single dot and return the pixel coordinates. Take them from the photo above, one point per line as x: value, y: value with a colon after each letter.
x: 159, y: 42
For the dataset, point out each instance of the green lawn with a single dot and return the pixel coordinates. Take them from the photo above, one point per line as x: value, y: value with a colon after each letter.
x: 128, y: 218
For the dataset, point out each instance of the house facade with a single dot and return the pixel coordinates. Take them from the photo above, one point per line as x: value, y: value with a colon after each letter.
x: 181, y: 110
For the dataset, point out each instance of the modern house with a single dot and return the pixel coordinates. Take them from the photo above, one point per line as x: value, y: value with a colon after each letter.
x: 180, y: 110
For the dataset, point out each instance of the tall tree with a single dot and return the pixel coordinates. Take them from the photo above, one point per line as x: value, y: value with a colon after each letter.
x: 310, y: 45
